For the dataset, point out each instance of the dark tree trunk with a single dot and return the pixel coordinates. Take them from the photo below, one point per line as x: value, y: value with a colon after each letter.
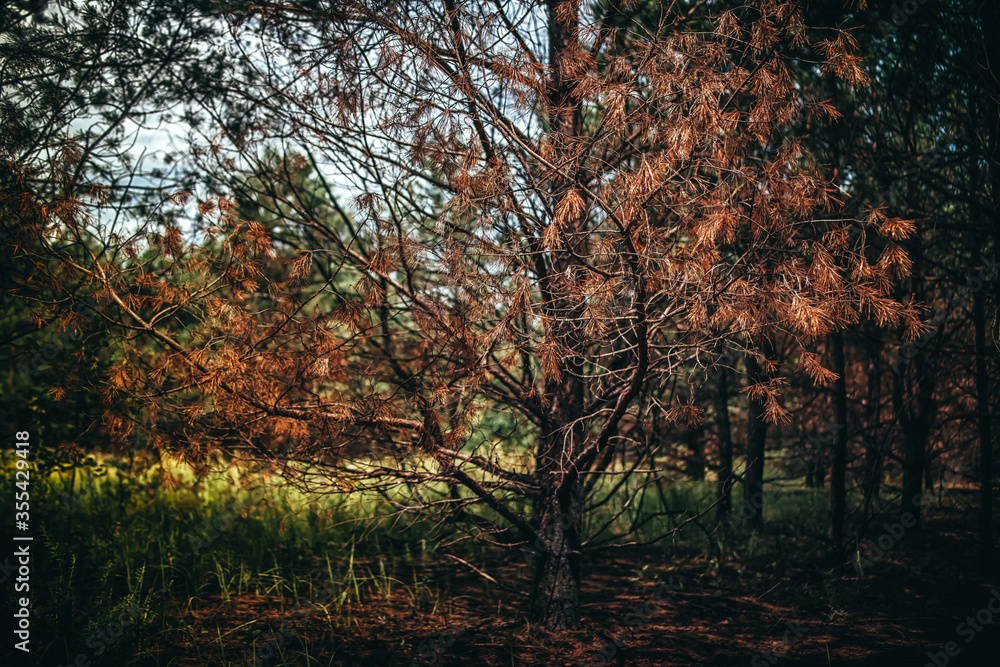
x: 915, y: 424
x: 695, y: 468
x: 753, y: 478
x: 873, y: 448
x: 724, y: 431
x: 815, y: 472
x: 555, y: 597
x: 913, y: 472
x: 555, y: 600
x: 913, y: 393
x: 838, y: 469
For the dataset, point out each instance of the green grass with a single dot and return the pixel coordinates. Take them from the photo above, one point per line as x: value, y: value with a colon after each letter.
x: 110, y: 538
x: 107, y: 539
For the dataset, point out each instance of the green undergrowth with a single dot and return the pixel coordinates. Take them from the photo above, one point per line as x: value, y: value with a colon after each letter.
x: 126, y: 556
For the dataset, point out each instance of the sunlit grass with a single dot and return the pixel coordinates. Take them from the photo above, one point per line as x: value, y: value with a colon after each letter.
x: 160, y: 539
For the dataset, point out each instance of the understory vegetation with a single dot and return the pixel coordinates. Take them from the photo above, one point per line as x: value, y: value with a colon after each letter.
x: 212, y: 567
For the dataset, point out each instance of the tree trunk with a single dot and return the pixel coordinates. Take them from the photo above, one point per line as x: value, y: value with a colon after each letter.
x: 914, y: 424
x: 555, y: 599
x: 753, y: 478
x: 695, y: 467
x: 913, y: 394
x: 838, y: 469
x: 873, y: 449
x: 811, y: 473
x: 914, y: 427
x: 913, y: 473
x: 724, y: 431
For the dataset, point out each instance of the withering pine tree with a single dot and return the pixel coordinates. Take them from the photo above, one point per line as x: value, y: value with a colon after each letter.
x: 507, y: 212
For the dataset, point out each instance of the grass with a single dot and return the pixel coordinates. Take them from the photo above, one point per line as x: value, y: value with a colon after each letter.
x: 109, y: 539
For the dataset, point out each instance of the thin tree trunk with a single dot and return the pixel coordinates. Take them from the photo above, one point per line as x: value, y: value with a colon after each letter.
x: 753, y: 478
x: 873, y: 449
x: 913, y: 473
x: 915, y: 425
x: 724, y: 431
x: 838, y: 469
x: 695, y: 467
x: 914, y: 404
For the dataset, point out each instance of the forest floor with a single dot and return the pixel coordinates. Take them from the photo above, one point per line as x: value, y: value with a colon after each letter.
x: 777, y: 602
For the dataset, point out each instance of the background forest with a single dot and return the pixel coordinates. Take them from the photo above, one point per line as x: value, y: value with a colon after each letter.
x: 502, y: 333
